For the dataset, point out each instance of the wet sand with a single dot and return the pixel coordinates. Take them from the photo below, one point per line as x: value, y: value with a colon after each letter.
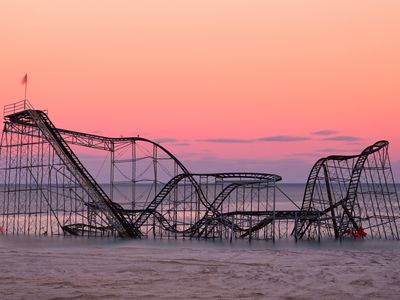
x: 87, y: 269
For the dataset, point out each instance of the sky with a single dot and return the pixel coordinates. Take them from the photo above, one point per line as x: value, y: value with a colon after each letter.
x: 266, y: 86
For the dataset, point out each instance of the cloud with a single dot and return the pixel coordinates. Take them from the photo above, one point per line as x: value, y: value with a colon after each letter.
x: 324, y: 132
x: 182, y: 144
x: 188, y: 154
x: 165, y: 140
x: 277, y: 138
x: 283, y: 138
x: 344, y: 138
x: 339, y: 150
x: 225, y: 141
x: 306, y: 154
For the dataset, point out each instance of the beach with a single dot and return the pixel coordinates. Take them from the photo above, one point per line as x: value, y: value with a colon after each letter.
x: 67, y: 268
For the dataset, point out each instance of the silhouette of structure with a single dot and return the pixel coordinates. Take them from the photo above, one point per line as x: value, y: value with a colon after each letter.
x: 355, y: 196
x: 46, y: 190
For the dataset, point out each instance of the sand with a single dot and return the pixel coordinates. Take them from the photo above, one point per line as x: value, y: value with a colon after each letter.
x: 112, y: 269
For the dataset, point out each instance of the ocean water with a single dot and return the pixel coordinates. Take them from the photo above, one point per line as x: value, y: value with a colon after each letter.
x: 102, y: 268
x: 285, y: 194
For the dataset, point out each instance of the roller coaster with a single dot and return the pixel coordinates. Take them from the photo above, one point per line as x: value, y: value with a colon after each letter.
x: 46, y: 189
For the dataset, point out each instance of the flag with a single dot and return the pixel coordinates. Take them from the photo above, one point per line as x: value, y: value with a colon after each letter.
x: 25, y: 79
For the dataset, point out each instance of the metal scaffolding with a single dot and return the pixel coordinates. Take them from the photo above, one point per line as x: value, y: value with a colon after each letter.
x: 355, y: 195
x: 47, y: 190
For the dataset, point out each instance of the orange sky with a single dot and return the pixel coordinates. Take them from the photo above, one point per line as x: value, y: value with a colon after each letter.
x: 217, y: 77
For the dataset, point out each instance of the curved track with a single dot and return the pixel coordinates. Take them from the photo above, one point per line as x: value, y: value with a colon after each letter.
x: 47, y: 188
x: 21, y: 117
x: 339, y: 173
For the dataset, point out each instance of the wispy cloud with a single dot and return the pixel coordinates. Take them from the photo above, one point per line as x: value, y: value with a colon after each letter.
x: 182, y: 144
x: 344, y: 138
x: 308, y: 155
x: 338, y: 150
x: 225, y: 140
x: 284, y: 138
x: 277, y: 138
x: 165, y: 140
x: 324, y: 132
x: 189, y: 154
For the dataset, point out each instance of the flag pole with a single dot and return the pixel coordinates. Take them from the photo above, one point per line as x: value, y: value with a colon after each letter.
x: 26, y: 84
x: 25, y: 90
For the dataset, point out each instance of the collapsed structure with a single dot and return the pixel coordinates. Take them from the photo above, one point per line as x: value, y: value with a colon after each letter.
x: 46, y: 190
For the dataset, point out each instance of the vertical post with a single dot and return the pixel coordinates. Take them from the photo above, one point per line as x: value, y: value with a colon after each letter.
x: 112, y: 156
x: 295, y: 226
x: 273, y: 212
x: 155, y: 169
x: 232, y: 229
x: 206, y: 231
x: 319, y: 228
x: 154, y: 227
x: 395, y: 195
x: 133, y: 174
x: 250, y: 229
x: 4, y: 143
x: 330, y: 199
x: 221, y: 230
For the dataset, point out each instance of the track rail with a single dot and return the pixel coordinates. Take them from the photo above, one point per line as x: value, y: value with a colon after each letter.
x: 99, y: 197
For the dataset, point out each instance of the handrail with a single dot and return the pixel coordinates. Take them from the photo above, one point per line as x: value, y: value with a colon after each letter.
x: 17, y: 107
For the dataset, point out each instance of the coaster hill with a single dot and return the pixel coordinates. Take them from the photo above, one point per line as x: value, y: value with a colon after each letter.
x: 47, y: 190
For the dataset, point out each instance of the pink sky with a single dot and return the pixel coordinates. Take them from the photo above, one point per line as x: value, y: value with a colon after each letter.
x: 217, y: 77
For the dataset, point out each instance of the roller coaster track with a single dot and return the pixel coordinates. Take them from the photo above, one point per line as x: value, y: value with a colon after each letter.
x: 346, y: 203
x: 74, y: 137
x: 310, y: 186
x: 218, y: 218
x: 307, y: 204
x: 99, y: 197
x: 216, y: 204
x: 348, y: 206
x: 151, y: 208
x: 258, y: 226
x: 351, y: 193
x: 116, y: 216
x: 211, y: 211
x: 57, y: 138
x: 173, y: 183
x: 105, y: 143
x: 172, y: 227
x: 344, y: 195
